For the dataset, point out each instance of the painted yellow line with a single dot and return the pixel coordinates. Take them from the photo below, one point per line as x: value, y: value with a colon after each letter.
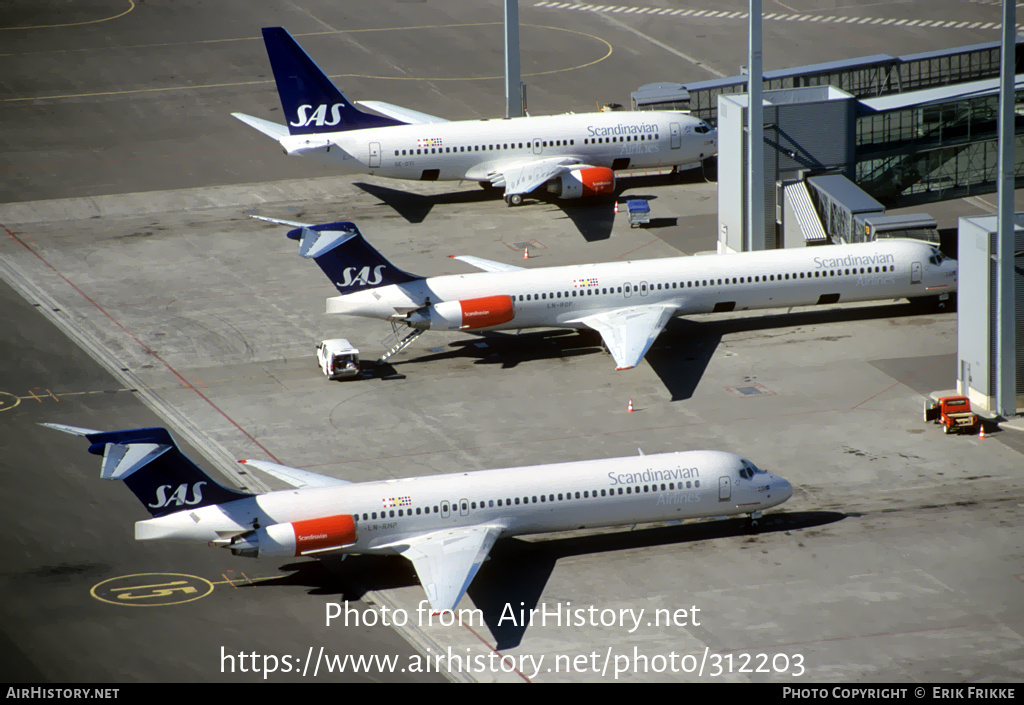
x: 139, y: 91
x: 131, y: 6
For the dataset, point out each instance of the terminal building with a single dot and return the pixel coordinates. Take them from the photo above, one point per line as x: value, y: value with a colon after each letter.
x: 846, y: 141
x: 906, y: 131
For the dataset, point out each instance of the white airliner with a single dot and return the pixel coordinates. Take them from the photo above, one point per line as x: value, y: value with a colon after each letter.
x: 571, y: 155
x: 445, y: 524
x: 628, y: 303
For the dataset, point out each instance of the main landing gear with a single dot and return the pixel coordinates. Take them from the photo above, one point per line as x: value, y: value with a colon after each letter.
x: 516, y: 199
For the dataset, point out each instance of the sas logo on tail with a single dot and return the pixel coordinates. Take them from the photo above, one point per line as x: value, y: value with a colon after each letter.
x: 179, y: 497
x: 363, y: 277
x: 319, y: 116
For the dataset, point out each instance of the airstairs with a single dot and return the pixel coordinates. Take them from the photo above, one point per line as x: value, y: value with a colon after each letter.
x: 396, y: 343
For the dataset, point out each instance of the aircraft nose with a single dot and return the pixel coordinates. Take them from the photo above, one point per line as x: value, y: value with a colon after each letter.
x: 782, y: 489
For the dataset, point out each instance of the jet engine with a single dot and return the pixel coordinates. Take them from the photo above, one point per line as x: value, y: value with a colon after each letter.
x: 467, y: 314
x: 297, y: 538
x: 583, y: 183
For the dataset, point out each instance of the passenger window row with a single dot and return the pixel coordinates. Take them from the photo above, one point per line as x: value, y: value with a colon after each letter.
x: 697, y: 283
x: 621, y: 138
x: 483, y: 147
x: 537, y: 499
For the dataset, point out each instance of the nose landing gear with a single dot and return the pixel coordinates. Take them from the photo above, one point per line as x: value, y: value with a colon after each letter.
x: 752, y: 522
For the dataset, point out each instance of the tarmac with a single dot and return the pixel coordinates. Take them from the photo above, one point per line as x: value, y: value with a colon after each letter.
x: 898, y: 559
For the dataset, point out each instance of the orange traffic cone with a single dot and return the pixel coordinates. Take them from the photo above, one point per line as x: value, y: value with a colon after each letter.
x: 526, y: 252
x: 629, y: 407
x: 616, y: 206
x: 981, y: 430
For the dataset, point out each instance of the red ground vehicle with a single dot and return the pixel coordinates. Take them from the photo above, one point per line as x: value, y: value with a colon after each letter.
x: 954, y: 413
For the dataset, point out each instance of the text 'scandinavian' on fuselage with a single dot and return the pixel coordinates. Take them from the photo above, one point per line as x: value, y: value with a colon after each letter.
x: 570, y: 156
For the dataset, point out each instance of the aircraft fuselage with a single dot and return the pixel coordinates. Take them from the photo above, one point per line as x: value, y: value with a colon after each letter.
x: 563, y: 296
x: 537, y: 499
x: 476, y: 149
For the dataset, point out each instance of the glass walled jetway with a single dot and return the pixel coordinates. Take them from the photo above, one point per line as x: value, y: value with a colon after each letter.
x: 933, y: 145
x: 866, y: 77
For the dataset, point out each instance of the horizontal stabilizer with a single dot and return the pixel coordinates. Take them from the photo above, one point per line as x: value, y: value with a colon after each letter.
x: 486, y: 264
x: 73, y: 430
x: 279, y: 221
x: 300, y: 479
x: 314, y: 243
x: 410, y: 117
x: 270, y: 129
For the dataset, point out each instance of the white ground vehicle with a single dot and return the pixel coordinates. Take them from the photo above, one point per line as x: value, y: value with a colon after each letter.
x: 338, y: 359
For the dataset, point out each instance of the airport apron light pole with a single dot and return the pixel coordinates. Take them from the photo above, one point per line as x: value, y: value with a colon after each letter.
x: 514, y: 89
x: 755, y: 132
x: 1006, y: 382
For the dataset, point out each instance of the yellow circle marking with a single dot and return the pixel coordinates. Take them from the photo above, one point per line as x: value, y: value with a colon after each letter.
x: 8, y: 401
x: 236, y: 84
x: 131, y: 6
x: 152, y: 589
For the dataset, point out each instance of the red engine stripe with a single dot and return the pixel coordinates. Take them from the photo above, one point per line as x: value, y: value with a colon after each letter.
x: 597, y: 181
x: 323, y: 532
x: 486, y: 311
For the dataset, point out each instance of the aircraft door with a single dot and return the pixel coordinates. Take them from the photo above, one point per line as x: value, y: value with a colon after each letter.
x: 643, y: 288
x: 446, y: 509
x: 676, y: 134
x: 627, y: 290
x: 464, y: 507
x: 724, y: 489
x: 537, y: 147
x: 915, y: 272
x: 374, y: 154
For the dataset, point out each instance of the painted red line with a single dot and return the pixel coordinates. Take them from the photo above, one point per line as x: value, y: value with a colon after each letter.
x: 493, y: 650
x: 184, y: 382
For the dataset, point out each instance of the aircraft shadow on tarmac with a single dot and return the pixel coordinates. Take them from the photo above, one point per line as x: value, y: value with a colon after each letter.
x: 517, y: 571
x: 679, y: 357
x: 593, y: 218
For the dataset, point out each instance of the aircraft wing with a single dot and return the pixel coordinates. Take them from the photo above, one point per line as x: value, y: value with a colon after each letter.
x: 300, y: 479
x: 525, y: 177
x: 411, y: 117
x: 486, y: 264
x: 630, y: 332
x: 446, y: 561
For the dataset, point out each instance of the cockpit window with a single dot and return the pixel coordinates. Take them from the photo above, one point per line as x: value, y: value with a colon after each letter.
x: 702, y: 128
x: 936, y: 257
x: 749, y: 470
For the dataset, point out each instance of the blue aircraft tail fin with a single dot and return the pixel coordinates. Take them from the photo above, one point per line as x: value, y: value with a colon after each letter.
x: 311, y: 102
x: 149, y: 461
x: 347, y: 258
